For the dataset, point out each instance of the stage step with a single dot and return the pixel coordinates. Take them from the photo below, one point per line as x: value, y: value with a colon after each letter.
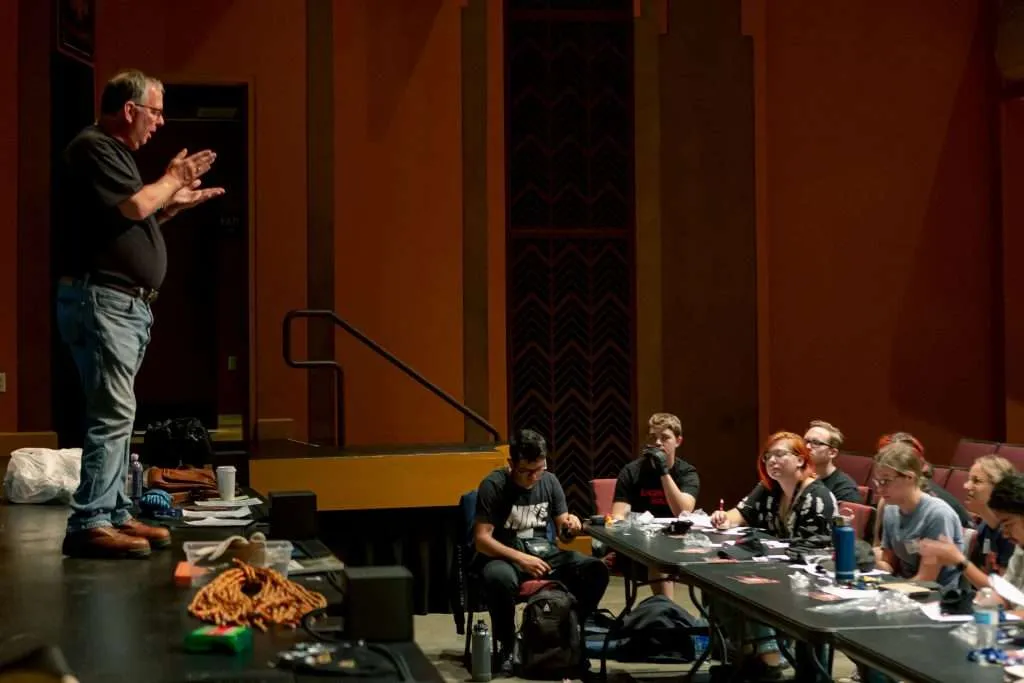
x: 374, y: 477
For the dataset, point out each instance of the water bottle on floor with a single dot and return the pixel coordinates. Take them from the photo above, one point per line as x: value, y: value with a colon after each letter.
x: 480, y: 652
x: 986, y: 619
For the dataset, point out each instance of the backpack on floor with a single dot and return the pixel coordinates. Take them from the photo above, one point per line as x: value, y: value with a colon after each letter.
x: 656, y: 630
x: 549, y: 644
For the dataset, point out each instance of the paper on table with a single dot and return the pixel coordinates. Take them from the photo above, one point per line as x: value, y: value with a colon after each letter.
x: 218, y: 521
x: 237, y: 502
x: 933, y: 610
x: 736, y: 531
x: 847, y: 593
x: 699, y: 519
x: 1006, y: 590
x: 237, y: 513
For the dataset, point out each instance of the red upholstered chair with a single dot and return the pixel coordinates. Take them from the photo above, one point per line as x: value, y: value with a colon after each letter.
x: 940, y: 475
x: 861, y: 515
x: 604, y: 493
x: 1014, y: 453
x: 969, y: 450
x: 857, y: 466
x: 866, y: 494
x: 955, y: 484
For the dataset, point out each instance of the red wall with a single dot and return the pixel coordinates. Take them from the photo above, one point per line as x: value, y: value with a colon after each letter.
x: 9, y: 213
x: 262, y: 43
x: 880, y: 238
x: 1012, y: 148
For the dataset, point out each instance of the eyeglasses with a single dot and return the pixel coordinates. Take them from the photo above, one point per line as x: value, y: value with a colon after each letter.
x: 778, y: 454
x: 880, y: 483
x: 155, y: 111
x: 815, y: 442
x: 532, y: 471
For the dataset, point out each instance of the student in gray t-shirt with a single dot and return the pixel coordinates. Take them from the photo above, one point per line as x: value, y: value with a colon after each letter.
x: 912, y: 515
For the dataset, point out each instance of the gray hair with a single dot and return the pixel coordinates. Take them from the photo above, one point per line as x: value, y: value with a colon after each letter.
x: 126, y: 86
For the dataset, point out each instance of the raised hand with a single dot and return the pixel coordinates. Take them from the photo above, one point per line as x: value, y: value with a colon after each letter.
x: 187, y: 169
x: 190, y: 196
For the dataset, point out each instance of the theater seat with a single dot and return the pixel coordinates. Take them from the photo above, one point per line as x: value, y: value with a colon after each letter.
x: 955, y: 484
x: 969, y: 450
x: 1014, y: 453
x: 857, y: 466
x: 604, y: 494
x: 940, y: 475
x: 860, y: 514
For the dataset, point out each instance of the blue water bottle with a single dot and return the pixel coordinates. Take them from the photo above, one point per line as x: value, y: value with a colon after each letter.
x: 844, y: 539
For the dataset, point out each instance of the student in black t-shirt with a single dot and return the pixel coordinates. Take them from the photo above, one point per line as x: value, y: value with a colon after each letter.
x: 825, y: 440
x: 514, y: 510
x: 111, y: 261
x: 658, y: 482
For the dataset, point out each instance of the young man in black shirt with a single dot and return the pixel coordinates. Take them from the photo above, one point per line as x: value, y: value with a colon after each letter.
x: 825, y: 440
x: 111, y: 263
x: 515, y: 507
x: 658, y: 482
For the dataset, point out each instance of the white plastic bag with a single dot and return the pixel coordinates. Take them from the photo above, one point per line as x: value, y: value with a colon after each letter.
x: 43, y: 475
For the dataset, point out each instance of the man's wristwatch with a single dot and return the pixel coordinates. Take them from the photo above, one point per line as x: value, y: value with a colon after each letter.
x: 961, y: 566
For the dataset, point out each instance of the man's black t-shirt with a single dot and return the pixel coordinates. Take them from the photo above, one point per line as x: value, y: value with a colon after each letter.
x: 640, y: 486
x: 842, y: 486
x: 94, y: 237
x: 516, y: 512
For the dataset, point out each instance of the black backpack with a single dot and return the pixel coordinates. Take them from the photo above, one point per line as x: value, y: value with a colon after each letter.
x: 658, y: 629
x: 177, y: 442
x: 549, y: 645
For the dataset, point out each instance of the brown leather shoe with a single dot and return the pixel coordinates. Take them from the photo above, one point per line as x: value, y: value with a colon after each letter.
x: 104, y: 542
x: 157, y: 536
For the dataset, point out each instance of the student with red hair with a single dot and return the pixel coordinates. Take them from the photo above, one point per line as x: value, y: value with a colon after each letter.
x: 789, y: 501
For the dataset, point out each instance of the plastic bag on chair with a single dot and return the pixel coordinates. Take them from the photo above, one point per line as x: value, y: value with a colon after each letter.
x: 43, y: 475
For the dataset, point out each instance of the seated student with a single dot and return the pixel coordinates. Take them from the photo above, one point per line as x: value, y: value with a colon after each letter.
x: 928, y: 486
x: 514, y: 505
x: 789, y: 502
x: 911, y: 516
x: 825, y: 440
x: 659, y: 483
x: 992, y: 550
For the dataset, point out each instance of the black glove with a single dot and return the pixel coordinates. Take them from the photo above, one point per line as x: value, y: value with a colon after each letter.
x: 657, y: 459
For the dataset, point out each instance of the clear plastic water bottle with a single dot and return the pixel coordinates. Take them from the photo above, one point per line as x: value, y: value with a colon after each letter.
x: 480, y: 652
x: 135, y: 477
x: 986, y: 619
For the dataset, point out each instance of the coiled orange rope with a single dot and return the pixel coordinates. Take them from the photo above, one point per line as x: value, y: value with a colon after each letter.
x: 253, y: 596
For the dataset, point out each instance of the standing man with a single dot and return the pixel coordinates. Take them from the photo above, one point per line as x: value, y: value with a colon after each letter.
x: 112, y: 260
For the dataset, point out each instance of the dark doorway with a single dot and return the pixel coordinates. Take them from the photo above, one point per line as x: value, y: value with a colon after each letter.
x: 197, y: 364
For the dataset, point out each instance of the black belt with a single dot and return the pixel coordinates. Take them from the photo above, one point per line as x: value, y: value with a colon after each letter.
x: 145, y: 294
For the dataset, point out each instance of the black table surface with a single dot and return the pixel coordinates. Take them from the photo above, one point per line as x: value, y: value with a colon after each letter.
x: 658, y: 550
x: 124, y: 619
x: 778, y: 606
x: 922, y: 655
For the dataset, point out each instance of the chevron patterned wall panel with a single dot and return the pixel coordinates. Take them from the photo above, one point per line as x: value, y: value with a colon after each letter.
x: 571, y: 230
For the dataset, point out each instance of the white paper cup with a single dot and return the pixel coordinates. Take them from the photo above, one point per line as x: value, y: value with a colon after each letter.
x: 226, y: 482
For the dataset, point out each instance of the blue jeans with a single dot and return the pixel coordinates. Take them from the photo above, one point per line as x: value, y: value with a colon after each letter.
x: 107, y: 332
x: 740, y: 631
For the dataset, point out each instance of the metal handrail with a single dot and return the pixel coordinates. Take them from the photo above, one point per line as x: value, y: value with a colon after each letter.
x: 339, y: 372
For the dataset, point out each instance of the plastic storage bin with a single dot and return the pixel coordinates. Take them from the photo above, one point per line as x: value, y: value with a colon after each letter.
x: 276, y: 555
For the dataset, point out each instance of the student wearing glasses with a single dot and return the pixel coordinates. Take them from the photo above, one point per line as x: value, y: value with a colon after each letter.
x: 515, y: 505
x: 825, y: 440
x: 789, y: 502
x: 910, y: 516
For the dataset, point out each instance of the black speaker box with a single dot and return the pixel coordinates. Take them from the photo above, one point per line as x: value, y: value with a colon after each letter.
x: 292, y: 515
x: 377, y: 606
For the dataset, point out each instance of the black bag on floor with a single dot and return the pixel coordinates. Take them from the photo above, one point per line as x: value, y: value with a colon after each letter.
x: 549, y: 645
x: 658, y: 629
x: 177, y: 442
